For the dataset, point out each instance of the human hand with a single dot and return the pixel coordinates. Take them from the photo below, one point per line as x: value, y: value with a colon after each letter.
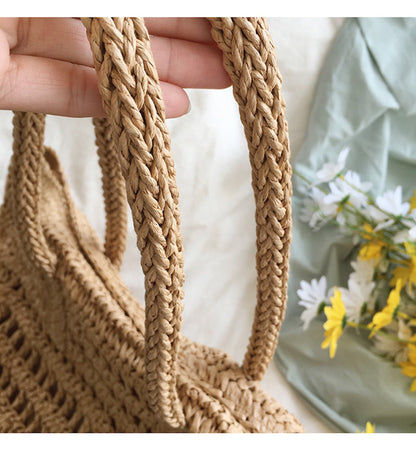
x: 46, y: 65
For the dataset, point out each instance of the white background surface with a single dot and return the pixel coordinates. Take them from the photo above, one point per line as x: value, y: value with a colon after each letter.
x: 216, y: 202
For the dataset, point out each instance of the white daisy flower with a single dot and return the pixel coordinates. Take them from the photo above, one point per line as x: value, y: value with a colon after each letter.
x: 350, y: 186
x: 330, y: 170
x: 341, y: 220
x: 355, y: 297
x: 405, y: 235
x: 390, y: 203
x: 315, y: 211
x: 363, y: 271
x: 312, y: 295
x: 391, y: 348
x: 411, y: 218
x: 383, y: 264
x: 402, y: 236
x: 408, y: 234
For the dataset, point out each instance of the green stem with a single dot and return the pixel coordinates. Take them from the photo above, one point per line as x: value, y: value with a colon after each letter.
x: 390, y: 245
x: 399, y: 313
x: 308, y: 181
x: 403, y: 315
x: 354, y: 210
x: 371, y: 202
x: 380, y: 332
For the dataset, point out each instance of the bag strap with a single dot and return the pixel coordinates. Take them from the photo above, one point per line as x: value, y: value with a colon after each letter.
x: 132, y: 99
x: 250, y: 60
x: 23, y: 183
x: 114, y: 192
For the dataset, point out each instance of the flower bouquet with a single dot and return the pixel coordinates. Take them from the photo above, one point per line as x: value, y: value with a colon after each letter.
x: 379, y: 298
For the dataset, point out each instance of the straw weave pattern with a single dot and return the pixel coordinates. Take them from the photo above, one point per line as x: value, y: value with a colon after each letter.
x: 249, y: 58
x: 77, y: 352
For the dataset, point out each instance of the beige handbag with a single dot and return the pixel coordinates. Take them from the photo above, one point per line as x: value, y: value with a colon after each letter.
x: 77, y: 352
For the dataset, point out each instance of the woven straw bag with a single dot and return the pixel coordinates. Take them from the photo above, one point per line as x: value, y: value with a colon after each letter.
x: 77, y: 352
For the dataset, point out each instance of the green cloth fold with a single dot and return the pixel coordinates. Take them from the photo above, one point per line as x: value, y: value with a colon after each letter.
x: 366, y: 100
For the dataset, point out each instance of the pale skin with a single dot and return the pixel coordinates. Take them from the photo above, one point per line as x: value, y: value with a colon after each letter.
x: 46, y: 64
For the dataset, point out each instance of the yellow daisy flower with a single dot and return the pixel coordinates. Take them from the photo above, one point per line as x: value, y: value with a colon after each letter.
x: 373, y: 248
x: 409, y: 367
x: 413, y: 201
x: 369, y: 428
x: 410, y: 248
x: 385, y: 316
x: 407, y: 272
x: 370, y: 250
x: 336, y: 320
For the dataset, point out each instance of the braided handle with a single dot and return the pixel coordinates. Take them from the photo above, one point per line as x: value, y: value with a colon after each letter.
x: 132, y: 99
x: 23, y: 189
x: 250, y: 60
x: 114, y: 192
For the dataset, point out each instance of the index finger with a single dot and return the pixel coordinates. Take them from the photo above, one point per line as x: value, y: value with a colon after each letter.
x: 196, y: 29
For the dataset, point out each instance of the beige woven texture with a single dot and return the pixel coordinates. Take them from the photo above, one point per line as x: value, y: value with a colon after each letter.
x: 77, y: 352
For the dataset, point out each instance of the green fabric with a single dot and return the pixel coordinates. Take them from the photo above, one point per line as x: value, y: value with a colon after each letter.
x: 366, y: 100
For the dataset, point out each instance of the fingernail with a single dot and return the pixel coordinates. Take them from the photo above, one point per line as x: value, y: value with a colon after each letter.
x: 189, y: 108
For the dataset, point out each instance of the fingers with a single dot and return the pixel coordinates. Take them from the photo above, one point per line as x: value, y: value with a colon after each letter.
x: 175, y: 99
x: 186, y: 28
x: 50, y: 67
x: 51, y: 86
x: 61, y: 88
x: 57, y: 38
x: 178, y: 58
x: 65, y: 38
x: 189, y: 64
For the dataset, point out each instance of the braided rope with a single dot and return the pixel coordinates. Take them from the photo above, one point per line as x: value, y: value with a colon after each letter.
x: 136, y: 132
x: 132, y: 99
x: 114, y: 190
x: 249, y: 58
x: 28, y: 134
x: 28, y: 150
